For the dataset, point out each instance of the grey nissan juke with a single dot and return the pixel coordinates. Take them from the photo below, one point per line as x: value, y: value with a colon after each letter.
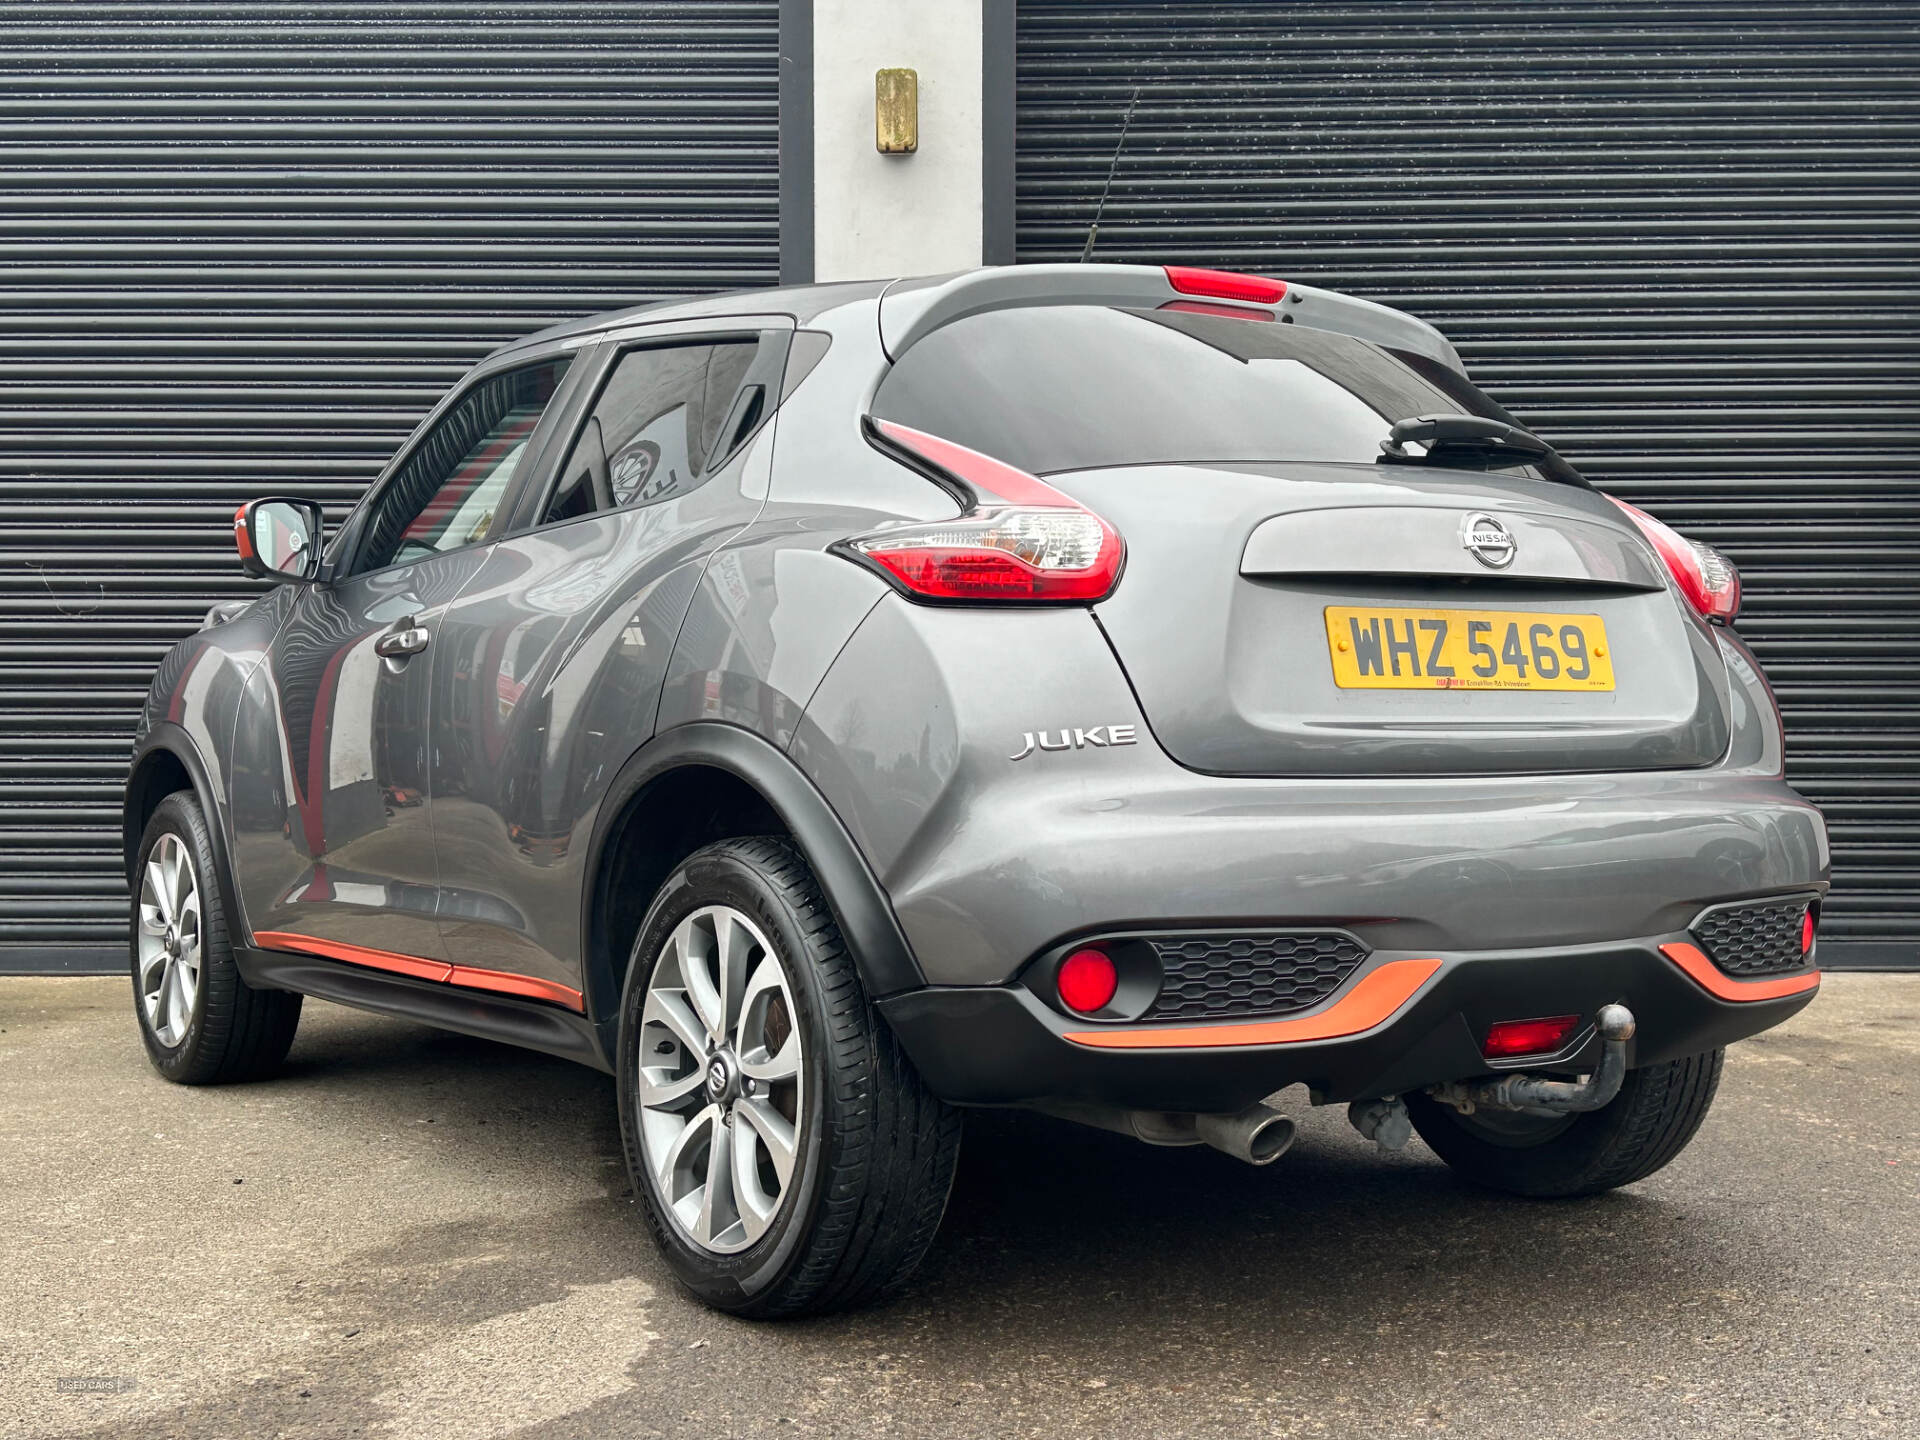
x: 1122, y: 692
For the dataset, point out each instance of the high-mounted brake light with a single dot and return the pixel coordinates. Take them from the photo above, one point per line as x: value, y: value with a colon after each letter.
x: 1705, y: 576
x: 1018, y: 540
x: 1210, y: 307
x: 1225, y: 285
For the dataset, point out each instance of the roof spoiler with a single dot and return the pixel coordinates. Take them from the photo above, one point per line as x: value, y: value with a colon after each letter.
x: 912, y: 309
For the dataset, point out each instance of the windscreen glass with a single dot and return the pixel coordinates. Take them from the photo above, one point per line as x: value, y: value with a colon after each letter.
x: 1074, y: 387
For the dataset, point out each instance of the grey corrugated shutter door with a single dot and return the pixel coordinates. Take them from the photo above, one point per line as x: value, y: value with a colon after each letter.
x: 244, y: 248
x: 1680, y: 238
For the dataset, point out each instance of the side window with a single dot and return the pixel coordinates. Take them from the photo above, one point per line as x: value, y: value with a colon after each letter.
x: 667, y: 418
x: 446, y: 492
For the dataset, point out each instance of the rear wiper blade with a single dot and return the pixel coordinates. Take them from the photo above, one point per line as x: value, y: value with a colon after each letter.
x: 1452, y: 438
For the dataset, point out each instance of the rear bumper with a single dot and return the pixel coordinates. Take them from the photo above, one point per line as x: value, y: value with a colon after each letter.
x: 987, y: 860
x: 1420, y: 1021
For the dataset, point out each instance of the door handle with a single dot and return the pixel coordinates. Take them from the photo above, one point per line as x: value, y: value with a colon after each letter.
x: 408, y: 639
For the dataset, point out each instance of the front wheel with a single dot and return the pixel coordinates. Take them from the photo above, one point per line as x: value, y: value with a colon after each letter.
x: 788, y: 1156
x: 201, y: 1022
x: 1649, y: 1122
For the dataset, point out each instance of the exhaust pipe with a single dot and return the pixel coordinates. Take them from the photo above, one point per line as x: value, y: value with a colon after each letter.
x: 1258, y: 1135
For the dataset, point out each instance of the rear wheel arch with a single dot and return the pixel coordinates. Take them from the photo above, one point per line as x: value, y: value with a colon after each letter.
x: 707, y: 781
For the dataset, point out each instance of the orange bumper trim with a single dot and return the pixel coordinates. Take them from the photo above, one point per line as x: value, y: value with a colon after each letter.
x: 1710, y: 978
x: 1381, y: 993
x: 469, y: 977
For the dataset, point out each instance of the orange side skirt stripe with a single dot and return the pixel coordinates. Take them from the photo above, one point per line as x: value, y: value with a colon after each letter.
x: 1380, y: 993
x: 354, y: 954
x: 507, y: 983
x: 1711, y: 979
x: 467, y: 976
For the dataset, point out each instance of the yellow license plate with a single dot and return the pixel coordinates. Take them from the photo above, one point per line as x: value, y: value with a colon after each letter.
x: 1384, y: 649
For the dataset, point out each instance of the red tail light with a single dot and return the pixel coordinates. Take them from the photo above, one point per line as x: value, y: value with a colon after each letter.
x: 1019, y: 540
x: 1528, y: 1037
x: 1705, y: 576
x: 1806, y: 931
x: 1225, y: 285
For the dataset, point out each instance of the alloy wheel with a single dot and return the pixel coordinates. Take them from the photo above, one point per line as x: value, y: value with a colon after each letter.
x: 169, y: 941
x: 721, y: 1080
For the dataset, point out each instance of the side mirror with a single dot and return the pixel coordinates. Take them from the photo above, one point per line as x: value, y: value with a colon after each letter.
x: 279, y: 539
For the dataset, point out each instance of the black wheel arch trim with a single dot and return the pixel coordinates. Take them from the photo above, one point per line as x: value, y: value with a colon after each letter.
x: 171, y: 739
x: 861, y: 908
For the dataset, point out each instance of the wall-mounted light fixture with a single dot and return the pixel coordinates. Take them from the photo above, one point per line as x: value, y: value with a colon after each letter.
x: 896, y: 111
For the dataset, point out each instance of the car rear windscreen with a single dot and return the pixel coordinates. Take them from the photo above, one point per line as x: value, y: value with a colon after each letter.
x: 1075, y: 387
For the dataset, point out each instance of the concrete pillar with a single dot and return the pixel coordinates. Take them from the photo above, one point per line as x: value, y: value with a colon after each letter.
x: 947, y: 206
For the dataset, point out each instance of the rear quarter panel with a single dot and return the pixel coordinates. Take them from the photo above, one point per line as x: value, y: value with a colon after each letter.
x: 774, y: 607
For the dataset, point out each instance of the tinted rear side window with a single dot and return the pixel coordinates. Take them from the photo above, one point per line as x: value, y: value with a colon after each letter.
x: 667, y: 418
x: 1071, y: 387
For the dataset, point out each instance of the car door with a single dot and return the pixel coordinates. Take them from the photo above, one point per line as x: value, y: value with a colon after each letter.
x: 547, y: 668
x: 333, y: 846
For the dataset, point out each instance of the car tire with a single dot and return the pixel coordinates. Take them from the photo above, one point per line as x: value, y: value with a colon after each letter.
x: 871, y: 1149
x: 1658, y: 1110
x: 202, y: 1023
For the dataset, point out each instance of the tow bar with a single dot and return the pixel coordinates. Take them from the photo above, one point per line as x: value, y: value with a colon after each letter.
x: 1536, y: 1095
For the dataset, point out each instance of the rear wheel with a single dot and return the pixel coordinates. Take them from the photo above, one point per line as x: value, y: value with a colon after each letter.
x: 201, y: 1022
x: 1658, y: 1110
x: 788, y: 1156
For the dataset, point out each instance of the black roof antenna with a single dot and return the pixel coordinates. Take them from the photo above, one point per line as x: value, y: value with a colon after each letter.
x: 1093, y: 230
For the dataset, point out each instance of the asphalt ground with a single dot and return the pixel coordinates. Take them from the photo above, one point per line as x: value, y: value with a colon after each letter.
x: 413, y: 1234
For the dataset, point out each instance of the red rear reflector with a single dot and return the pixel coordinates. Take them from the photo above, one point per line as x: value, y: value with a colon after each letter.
x: 1086, y: 981
x: 1705, y: 576
x: 1019, y: 540
x: 1225, y: 285
x: 1528, y: 1037
x: 1806, y: 931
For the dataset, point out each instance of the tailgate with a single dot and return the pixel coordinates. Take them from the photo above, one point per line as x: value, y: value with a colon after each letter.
x: 1308, y: 619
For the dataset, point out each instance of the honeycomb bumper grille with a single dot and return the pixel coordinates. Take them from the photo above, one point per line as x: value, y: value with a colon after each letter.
x: 1758, y: 939
x: 1209, y: 977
